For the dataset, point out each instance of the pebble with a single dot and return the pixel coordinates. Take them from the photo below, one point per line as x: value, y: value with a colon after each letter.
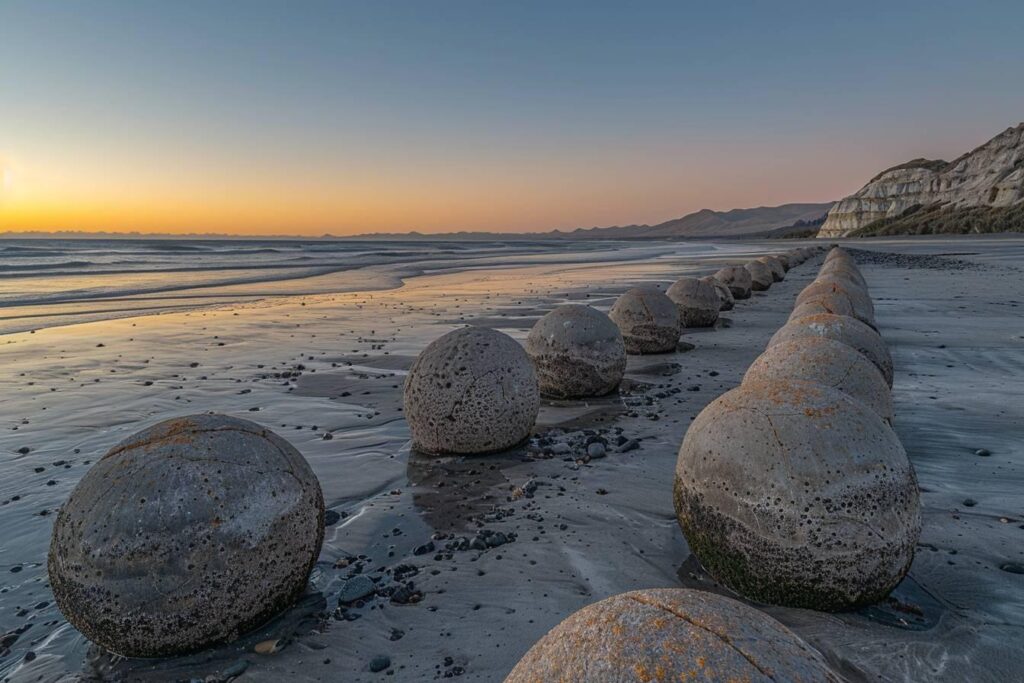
x: 379, y: 663
x: 983, y: 452
x: 357, y: 588
x: 596, y: 450
x: 630, y: 445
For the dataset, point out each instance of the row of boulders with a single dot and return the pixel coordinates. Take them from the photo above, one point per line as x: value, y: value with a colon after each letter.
x: 476, y: 390
x: 677, y: 634
x: 793, y: 489
x: 193, y: 531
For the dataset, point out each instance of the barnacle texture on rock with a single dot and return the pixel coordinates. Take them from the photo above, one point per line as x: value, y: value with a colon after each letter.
x: 737, y: 279
x: 670, y: 634
x: 828, y: 362
x: 841, y: 328
x: 185, y: 535
x: 473, y: 390
x: 578, y: 352
x: 697, y: 300
x: 761, y: 277
x: 648, y: 320
x: 793, y: 493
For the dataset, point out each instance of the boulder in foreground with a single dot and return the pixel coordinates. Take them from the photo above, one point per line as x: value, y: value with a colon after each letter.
x: 186, y: 535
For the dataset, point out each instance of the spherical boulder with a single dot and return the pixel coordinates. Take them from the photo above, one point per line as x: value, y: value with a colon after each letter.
x: 473, y: 390
x: 828, y: 362
x: 836, y: 304
x: 832, y: 517
x: 578, y: 351
x: 697, y: 300
x: 670, y: 634
x: 838, y: 253
x: 774, y: 265
x: 726, y: 301
x: 840, y: 270
x: 737, y: 279
x: 841, y: 328
x: 761, y: 277
x: 185, y: 535
x: 863, y: 308
x: 648, y: 320
x: 786, y: 261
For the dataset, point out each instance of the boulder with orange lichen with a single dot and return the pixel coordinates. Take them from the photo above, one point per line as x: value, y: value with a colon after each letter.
x: 841, y: 328
x: 670, y: 635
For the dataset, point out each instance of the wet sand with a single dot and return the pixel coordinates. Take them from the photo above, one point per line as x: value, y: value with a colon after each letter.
x: 476, y: 558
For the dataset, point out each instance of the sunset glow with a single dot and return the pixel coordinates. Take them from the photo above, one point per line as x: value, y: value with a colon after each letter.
x: 179, y: 118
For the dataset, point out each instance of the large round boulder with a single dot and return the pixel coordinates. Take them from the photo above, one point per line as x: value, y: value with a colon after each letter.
x: 737, y: 279
x: 648, y: 320
x: 863, y: 308
x: 774, y: 265
x: 841, y: 328
x: 697, y: 300
x: 473, y: 390
x: 786, y: 261
x: 828, y: 362
x: 793, y: 493
x: 761, y: 277
x: 839, y: 270
x: 836, y: 304
x: 839, y: 253
x: 185, y: 535
x: 726, y: 301
x: 670, y: 634
x: 578, y: 351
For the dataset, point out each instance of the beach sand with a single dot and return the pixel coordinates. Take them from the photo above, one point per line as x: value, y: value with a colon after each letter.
x: 559, y: 532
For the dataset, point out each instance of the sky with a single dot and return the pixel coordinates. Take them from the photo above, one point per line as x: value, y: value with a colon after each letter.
x: 307, y: 118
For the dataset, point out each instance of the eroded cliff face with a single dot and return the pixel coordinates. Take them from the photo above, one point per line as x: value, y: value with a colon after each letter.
x: 991, y: 175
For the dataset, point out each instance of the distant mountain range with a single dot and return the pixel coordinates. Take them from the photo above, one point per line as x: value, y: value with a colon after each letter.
x: 981, y: 191
x: 703, y: 224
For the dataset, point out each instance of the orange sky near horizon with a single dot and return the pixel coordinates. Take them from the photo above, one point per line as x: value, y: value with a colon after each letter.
x: 345, y: 118
x: 54, y: 193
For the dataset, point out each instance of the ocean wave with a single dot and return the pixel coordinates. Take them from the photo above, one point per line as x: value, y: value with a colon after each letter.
x: 45, y: 266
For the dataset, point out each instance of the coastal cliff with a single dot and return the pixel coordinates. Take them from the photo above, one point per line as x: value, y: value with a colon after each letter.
x: 989, y: 180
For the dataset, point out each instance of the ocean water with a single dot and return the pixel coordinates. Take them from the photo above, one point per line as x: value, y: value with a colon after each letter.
x: 47, y: 282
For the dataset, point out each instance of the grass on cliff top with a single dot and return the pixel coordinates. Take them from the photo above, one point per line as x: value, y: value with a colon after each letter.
x: 935, y: 219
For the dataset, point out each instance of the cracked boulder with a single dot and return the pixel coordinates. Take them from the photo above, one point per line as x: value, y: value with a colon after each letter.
x: 578, y: 352
x: 828, y: 362
x: 185, y: 535
x: 761, y: 276
x: 473, y: 390
x: 726, y: 301
x: 832, y: 517
x: 671, y: 634
x: 841, y: 328
x: 648, y: 320
x: 737, y: 279
x: 697, y: 300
